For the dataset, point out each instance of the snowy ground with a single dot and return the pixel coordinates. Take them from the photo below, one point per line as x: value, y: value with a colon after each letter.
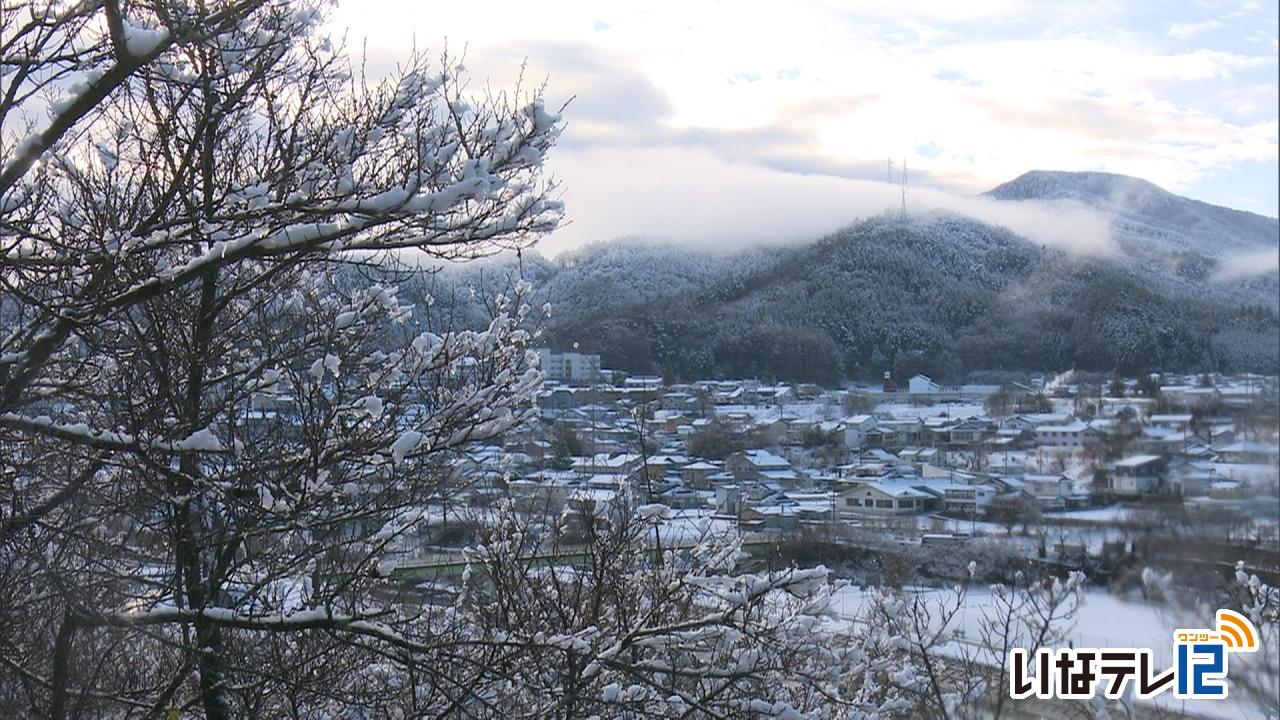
x: 1112, y: 514
x: 1090, y: 536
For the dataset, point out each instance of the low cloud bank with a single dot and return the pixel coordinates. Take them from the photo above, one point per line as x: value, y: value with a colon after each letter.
x: 688, y: 194
x: 1248, y: 264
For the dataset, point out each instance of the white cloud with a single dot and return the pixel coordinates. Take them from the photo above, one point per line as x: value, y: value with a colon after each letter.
x: 1250, y: 264
x: 691, y: 195
x: 1184, y: 31
x: 972, y: 93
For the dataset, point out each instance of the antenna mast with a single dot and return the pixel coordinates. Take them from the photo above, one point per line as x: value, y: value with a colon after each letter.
x: 904, y: 189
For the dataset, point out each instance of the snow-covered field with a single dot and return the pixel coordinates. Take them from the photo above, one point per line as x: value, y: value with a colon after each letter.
x: 1090, y: 536
x: 1111, y: 514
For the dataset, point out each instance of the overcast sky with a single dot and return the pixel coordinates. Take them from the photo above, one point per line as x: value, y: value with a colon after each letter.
x: 724, y: 120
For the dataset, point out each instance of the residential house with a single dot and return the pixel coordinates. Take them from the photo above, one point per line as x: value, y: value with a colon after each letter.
x: 734, y: 499
x: 762, y: 466
x: 896, y: 434
x: 1190, y: 396
x: 970, y: 432
x: 618, y: 465
x: 1052, y: 492
x: 919, y: 456
x: 1138, y: 475
x: 1156, y: 440
x: 856, y: 429
x: 1180, y: 421
x: 694, y: 475
x: 735, y: 395
x: 1020, y: 424
x: 937, y: 431
x: 770, y: 430
x: 677, y: 401
x: 879, y: 500
x: 558, y: 397
x: 668, y: 421
x: 1192, y: 478
x: 968, y: 500
x: 679, y: 496
x: 1248, y: 452
x: 1069, y: 435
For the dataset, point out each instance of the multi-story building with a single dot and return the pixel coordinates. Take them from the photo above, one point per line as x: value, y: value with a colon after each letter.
x: 569, y: 367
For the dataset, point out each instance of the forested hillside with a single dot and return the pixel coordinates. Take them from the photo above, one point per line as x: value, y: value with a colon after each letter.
x: 942, y: 294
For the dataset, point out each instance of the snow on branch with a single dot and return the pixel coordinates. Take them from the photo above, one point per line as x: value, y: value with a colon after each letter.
x: 201, y: 441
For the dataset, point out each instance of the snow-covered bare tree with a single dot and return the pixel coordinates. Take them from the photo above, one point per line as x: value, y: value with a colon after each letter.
x: 634, y: 625
x: 955, y: 646
x: 206, y: 439
x: 211, y: 438
x: 1255, y: 675
x: 1259, y: 678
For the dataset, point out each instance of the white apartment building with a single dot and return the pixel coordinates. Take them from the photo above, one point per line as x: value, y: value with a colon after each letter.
x: 570, y: 366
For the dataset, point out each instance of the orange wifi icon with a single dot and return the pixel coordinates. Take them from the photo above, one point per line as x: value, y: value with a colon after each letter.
x: 1236, y: 631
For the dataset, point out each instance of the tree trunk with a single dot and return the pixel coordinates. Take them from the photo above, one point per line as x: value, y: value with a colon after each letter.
x: 61, y: 660
x: 201, y: 585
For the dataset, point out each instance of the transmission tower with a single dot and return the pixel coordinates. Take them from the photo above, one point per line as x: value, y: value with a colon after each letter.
x: 904, y: 190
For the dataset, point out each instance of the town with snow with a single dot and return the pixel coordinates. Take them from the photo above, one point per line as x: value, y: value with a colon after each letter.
x: 907, y: 482
x: 1054, y: 458
x: 1120, y: 482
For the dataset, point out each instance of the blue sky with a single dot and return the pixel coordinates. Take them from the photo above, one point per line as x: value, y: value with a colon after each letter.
x: 737, y: 118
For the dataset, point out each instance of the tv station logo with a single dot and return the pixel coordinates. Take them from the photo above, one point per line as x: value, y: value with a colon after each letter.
x: 1199, y: 671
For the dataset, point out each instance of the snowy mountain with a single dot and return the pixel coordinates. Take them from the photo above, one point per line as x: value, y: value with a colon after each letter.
x: 1146, y: 217
x: 939, y: 293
